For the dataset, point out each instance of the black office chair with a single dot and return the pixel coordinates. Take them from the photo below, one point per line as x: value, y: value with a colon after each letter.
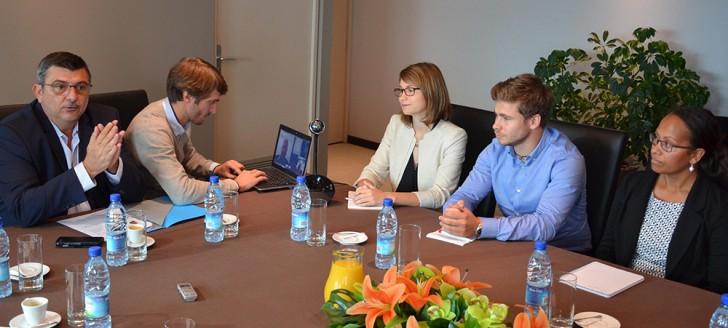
x: 6, y: 110
x: 602, y: 150
x: 723, y: 122
x: 478, y: 124
x: 129, y: 103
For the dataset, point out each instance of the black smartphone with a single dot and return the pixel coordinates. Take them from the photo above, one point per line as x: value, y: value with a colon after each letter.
x: 75, y: 242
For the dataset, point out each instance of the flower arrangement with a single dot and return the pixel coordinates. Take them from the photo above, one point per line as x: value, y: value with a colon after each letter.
x: 421, y: 296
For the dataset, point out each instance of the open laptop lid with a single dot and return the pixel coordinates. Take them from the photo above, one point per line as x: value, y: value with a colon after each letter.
x: 291, y: 152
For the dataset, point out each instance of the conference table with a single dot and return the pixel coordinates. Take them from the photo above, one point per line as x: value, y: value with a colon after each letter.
x: 264, y: 279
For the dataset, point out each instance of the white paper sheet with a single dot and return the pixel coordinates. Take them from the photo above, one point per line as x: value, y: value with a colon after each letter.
x: 449, y: 238
x: 605, y: 280
x: 91, y: 224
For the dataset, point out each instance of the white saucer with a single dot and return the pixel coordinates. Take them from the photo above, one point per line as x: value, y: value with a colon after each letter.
x: 606, y: 321
x: 14, y: 271
x: 350, y: 237
x: 150, y: 242
x: 51, y: 319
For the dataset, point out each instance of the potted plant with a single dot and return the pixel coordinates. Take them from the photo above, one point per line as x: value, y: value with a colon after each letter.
x: 624, y: 85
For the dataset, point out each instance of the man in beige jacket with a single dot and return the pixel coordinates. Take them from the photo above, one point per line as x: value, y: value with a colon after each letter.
x: 160, y: 136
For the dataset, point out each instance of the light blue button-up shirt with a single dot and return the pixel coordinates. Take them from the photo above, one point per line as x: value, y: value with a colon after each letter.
x: 542, y: 198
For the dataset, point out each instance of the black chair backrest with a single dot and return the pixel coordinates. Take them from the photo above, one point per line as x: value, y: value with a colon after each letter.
x: 6, y: 110
x: 723, y: 121
x: 129, y: 103
x: 478, y: 124
x: 602, y: 150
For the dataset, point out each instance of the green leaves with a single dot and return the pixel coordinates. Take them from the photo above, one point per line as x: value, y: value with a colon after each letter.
x: 626, y: 85
x: 335, y: 309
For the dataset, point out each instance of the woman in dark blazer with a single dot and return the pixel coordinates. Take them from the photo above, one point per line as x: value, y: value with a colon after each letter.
x: 671, y: 221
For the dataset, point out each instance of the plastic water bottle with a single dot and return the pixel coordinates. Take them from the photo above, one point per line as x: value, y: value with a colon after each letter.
x: 720, y: 316
x: 538, y: 278
x: 116, y: 253
x: 214, y: 205
x: 6, y: 288
x: 96, y: 287
x: 386, y: 232
x: 300, y: 205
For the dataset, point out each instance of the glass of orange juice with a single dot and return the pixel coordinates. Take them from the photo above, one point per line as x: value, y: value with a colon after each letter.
x: 346, y: 269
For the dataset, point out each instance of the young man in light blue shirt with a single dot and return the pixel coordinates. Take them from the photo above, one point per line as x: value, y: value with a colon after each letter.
x: 537, y: 175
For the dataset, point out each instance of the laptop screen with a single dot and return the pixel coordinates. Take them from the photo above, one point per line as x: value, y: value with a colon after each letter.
x: 291, y: 153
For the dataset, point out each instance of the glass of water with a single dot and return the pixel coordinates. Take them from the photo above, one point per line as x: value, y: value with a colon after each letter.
x: 317, y: 223
x: 30, y: 262
x: 136, y: 235
x: 230, y: 215
x: 74, y: 295
x: 562, y: 300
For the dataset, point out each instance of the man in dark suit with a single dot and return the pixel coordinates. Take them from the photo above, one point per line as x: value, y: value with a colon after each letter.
x: 59, y: 155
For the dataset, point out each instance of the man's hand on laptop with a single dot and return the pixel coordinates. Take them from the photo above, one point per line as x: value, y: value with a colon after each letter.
x: 229, y: 169
x: 249, y: 178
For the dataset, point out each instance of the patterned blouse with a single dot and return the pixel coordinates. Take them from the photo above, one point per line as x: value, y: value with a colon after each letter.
x: 660, y: 220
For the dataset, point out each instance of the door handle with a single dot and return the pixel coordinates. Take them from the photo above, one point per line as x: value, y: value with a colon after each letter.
x: 219, y: 58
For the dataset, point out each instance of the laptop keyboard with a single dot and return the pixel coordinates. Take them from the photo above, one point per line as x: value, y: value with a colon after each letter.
x: 275, y: 177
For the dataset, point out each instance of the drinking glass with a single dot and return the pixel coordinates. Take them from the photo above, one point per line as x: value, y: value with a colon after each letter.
x: 317, y: 223
x: 136, y: 235
x: 30, y: 262
x: 74, y: 295
x: 231, y: 216
x: 408, y: 245
x: 179, y: 322
x: 562, y: 300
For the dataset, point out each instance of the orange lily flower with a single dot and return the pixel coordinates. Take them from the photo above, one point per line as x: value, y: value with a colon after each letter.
x: 412, y: 322
x: 390, y: 278
x: 418, y: 295
x: 524, y: 320
x: 451, y: 275
x: 378, y: 302
x: 410, y: 268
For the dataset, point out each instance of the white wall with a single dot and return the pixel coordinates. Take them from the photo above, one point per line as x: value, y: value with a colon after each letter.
x: 477, y: 43
x: 128, y: 44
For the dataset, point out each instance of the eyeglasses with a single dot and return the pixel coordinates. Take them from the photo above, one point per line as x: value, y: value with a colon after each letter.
x: 409, y: 91
x: 666, y: 146
x: 60, y: 88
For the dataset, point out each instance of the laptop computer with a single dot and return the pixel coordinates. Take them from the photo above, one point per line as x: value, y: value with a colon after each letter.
x: 290, y: 157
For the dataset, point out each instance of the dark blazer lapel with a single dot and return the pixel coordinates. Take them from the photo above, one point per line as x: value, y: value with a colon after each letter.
x: 634, y: 216
x: 688, y: 224
x: 51, y: 137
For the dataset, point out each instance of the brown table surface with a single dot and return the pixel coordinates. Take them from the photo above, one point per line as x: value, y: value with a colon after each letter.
x: 263, y: 279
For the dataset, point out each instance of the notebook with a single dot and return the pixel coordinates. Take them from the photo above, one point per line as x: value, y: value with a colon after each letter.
x: 290, y: 156
x: 604, y: 280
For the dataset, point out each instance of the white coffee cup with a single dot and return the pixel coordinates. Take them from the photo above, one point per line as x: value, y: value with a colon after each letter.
x: 34, y: 309
x: 135, y: 233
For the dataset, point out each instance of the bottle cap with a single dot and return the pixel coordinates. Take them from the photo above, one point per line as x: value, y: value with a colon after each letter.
x: 94, y: 251
x: 539, y: 245
x: 724, y: 299
x: 115, y: 197
x: 214, y: 179
x: 301, y: 179
x: 388, y: 202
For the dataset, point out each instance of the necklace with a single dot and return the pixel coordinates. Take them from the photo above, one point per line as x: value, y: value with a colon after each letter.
x: 521, y: 158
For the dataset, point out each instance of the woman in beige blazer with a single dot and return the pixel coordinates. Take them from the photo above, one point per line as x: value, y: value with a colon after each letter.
x: 421, y: 152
